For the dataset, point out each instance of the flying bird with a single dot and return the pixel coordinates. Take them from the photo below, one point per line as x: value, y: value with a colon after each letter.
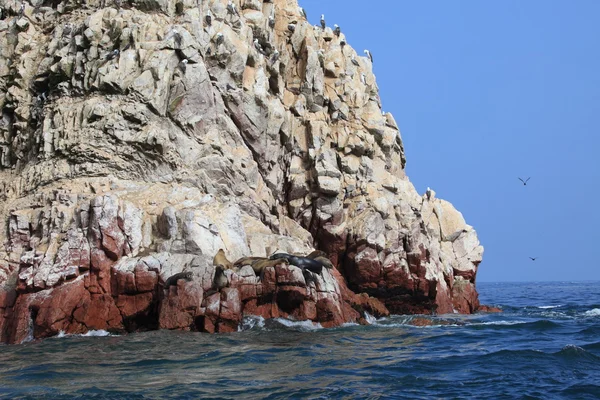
x: 525, y: 181
x: 533, y: 258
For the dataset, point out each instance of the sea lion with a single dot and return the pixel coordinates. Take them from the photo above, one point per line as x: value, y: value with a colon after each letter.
x: 300, y: 262
x: 246, y: 261
x: 316, y: 253
x: 259, y: 265
x: 219, y: 281
x: 172, y: 280
x: 221, y: 260
x: 321, y: 256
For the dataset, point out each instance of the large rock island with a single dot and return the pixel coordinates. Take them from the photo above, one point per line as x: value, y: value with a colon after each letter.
x: 140, y: 137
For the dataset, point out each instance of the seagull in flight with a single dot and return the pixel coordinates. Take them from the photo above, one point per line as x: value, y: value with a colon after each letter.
x: 533, y: 258
x: 525, y: 181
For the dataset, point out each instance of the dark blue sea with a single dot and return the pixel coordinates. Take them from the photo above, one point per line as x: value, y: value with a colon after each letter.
x: 545, y: 345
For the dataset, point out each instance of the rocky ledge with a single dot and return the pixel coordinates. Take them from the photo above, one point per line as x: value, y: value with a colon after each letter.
x: 140, y: 137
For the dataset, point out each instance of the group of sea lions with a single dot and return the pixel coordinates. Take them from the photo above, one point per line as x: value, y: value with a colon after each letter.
x: 312, y: 263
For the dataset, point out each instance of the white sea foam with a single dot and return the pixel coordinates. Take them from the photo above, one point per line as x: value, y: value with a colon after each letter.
x: 99, y: 332
x: 548, y: 307
x: 594, y: 312
x: 251, y: 322
x: 502, y: 323
x: 370, y: 319
x: 302, y: 325
x: 92, y: 333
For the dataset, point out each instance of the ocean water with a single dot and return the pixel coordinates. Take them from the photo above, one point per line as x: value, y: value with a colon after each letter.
x: 545, y: 345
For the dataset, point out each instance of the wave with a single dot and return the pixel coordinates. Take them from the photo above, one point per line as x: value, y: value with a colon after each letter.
x: 549, y: 307
x: 370, y: 319
x: 572, y: 351
x: 595, y: 312
x: 299, y: 325
x: 92, y: 333
x: 414, y: 321
x: 251, y: 322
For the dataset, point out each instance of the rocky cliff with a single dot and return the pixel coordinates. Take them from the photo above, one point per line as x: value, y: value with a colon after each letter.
x: 139, y: 137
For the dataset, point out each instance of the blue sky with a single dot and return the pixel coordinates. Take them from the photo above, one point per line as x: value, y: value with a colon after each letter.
x: 485, y: 92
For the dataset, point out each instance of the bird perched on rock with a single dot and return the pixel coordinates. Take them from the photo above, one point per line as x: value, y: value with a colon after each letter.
x: 363, y: 79
x: 219, y: 38
x: 336, y: 30
x: 302, y: 12
x: 22, y: 9
x: 272, y: 18
x: 174, y: 33
x: 525, y: 181
x: 416, y: 211
x: 258, y: 47
x: 274, y: 57
x: 112, y: 54
x: 323, y: 25
x: 183, y: 65
x: 369, y: 55
x: 291, y: 27
x: 232, y: 9
x: 208, y: 18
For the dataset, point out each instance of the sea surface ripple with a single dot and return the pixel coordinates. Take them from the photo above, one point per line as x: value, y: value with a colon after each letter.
x: 545, y: 345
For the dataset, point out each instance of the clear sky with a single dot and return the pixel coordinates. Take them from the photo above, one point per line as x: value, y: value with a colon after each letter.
x: 484, y: 92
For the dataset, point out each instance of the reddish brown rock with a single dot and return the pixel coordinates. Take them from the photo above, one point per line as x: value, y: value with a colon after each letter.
x: 230, y: 314
x: 130, y: 306
x: 464, y: 296
x: 181, y: 305
x: 145, y: 281
x: 329, y: 312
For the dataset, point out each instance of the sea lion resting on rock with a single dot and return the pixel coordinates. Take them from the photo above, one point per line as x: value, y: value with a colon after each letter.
x: 258, y: 264
x: 219, y: 281
x: 221, y: 260
x: 321, y: 256
x: 301, y: 262
x: 246, y: 261
x: 172, y: 280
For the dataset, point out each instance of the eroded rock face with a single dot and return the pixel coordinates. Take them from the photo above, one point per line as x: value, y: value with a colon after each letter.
x: 121, y: 164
